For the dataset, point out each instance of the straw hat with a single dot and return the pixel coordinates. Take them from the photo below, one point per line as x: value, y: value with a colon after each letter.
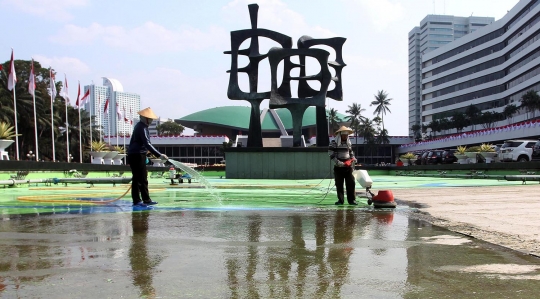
x: 349, y: 131
x: 148, y: 113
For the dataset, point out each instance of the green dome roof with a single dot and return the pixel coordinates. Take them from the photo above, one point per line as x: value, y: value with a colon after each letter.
x: 238, y: 117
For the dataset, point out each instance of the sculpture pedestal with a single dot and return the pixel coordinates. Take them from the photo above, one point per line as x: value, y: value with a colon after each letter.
x: 278, y: 163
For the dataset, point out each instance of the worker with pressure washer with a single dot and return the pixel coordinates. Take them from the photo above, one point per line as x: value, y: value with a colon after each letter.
x: 139, y: 146
x: 341, y: 153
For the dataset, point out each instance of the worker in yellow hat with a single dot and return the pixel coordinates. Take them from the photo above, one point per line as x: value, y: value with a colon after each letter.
x: 139, y: 145
x: 341, y: 153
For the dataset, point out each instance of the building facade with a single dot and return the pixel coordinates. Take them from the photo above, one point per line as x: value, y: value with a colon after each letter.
x: 121, y: 114
x: 490, y: 68
x: 434, y: 32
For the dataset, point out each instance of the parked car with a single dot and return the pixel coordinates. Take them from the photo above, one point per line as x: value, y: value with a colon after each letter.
x: 423, y: 158
x: 448, y: 156
x: 536, y: 151
x: 519, y: 150
x: 434, y: 157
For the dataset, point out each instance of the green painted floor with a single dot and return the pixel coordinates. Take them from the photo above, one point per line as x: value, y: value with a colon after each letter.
x: 222, y: 194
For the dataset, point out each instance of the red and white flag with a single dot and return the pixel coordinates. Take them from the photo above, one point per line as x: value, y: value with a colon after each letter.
x: 65, y: 93
x: 126, y: 115
x: 85, y: 97
x: 12, y: 79
x: 106, y: 108
x: 78, y: 95
x: 32, y: 80
x: 118, y: 112
x: 52, y: 84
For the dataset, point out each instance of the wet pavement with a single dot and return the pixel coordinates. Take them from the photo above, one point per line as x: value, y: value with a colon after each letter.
x: 281, y: 239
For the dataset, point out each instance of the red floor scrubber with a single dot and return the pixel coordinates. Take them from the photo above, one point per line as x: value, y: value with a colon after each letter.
x: 383, y: 199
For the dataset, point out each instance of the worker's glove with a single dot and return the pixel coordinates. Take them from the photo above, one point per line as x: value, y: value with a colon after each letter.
x: 164, y: 157
x: 340, y: 164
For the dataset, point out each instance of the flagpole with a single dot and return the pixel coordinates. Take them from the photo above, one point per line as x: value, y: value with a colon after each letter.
x: 124, y: 125
x: 67, y: 132
x: 35, y: 126
x: 90, y: 111
x: 100, y: 117
x: 35, y: 117
x: 80, y: 128
x: 109, y: 127
x: 13, y: 80
x: 117, y: 109
x: 66, y: 101
x: 52, y: 114
x: 16, y: 125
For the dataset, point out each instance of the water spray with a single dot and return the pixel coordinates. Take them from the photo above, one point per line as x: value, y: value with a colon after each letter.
x: 197, y: 175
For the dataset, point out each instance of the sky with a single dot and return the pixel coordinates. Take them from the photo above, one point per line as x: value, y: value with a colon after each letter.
x: 171, y: 51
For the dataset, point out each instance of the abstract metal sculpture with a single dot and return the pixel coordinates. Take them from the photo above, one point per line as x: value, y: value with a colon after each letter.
x: 280, y: 96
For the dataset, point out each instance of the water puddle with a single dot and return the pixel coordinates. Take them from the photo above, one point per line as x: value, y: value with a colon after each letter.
x: 254, y: 253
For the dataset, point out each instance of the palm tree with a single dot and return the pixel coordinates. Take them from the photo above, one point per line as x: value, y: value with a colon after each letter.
x: 459, y: 121
x: 334, y: 120
x: 509, y: 112
x: 417, y: 132
x: 445, y: 124
x: 368, y: 131
x: 355, y: 114
x: 381, y: 104
x: 435, y: 126
x: 472, y: 114
x: 531, y: 102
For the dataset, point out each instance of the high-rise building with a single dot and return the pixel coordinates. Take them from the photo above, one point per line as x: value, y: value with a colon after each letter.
x: 434, y: 31
x: 488, y: 69
x: 122, y: 109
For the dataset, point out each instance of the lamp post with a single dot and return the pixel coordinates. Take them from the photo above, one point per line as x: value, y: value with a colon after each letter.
x: 30, y: 156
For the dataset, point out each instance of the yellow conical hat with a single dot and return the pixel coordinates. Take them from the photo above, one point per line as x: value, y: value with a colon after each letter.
x: 148, y: 113
x: 349, y: 131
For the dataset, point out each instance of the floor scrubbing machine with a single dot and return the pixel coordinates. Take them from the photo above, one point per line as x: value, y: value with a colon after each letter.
x: 383, y: 199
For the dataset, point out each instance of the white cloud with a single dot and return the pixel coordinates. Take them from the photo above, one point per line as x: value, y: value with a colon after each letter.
x: 68, y: 65
x: 178, y: 94
x: 147, y: 38
x: 276, y: 16
x: 373, y: 63
x: 381, y: 13
x: 50, y: 9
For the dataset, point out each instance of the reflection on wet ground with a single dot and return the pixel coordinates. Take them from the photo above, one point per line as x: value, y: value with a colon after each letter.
x: 253, y: 253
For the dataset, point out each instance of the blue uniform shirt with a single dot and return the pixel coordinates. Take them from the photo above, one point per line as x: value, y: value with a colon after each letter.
x: 140, y: 141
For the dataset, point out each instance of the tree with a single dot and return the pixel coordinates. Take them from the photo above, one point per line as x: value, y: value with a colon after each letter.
x: 472, y: 114
x: 489, y: 118
x: 509, y: 112
x: 355, y: 114
x: 383, y: 137
x: 368, y: 131
x: 334, y: 120
x: 435, y: 126
x: 417, y: 132
x: 459, y: 121
x: 381, y: 104
x: 169, y: 128
x: 445, y: 124
x: 25, y: 114
x: 531, y: 102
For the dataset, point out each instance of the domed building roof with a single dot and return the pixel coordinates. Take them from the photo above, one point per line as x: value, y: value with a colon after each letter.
x: 237, y: 117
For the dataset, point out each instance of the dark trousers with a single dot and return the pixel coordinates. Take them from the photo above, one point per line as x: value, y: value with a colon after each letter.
x: 139, y: 181
x: 344, y: 174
